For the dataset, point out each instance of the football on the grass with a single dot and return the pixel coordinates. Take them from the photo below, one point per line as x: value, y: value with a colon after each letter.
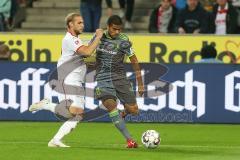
x: 151, y: 139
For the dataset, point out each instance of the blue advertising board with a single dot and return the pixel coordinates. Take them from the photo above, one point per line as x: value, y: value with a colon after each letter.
x: 201, y: 93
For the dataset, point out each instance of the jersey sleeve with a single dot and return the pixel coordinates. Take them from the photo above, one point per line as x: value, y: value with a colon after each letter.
x: 127, y: 48
x: 74, y: 44
x: 130, y: 52
x: 126, y: 45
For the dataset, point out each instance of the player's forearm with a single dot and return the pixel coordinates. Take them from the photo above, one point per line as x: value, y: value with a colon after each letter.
x: 139, y: 79
x: 137, y: 71
x: 92, y: 47
x: 88, y: 50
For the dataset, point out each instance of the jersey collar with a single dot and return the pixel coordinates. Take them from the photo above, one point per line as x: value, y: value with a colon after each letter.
x: 108, y: 36
x: 69, y: 32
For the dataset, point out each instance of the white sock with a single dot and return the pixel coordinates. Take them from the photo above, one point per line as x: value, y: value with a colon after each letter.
x: 67, y: 127
x: 50, y: 107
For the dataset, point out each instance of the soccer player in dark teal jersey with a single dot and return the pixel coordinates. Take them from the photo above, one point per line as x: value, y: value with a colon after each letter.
x: 112, y: 83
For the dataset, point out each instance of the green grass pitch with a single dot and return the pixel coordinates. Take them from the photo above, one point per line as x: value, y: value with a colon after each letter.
x: 102, y: 141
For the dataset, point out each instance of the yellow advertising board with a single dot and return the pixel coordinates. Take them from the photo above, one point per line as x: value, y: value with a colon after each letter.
x: 148, y: 48
x: 184, y: 48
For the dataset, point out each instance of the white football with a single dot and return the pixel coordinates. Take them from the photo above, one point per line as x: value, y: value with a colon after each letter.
x: 151, y: 139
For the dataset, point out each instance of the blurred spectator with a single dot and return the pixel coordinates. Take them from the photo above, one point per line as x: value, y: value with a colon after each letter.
x: 24, y: 3
x: 209, y: 54
x: 28, y: 3
x: 162, y: 19
x: 5, y: 10
x: 4, y: 52
x: 91, y: 11
x: 210, y: 23
x: 127, y: 7
x: 192, y: 19
x: 13, y: 11
x: 236, y: 4
x: 225, y: 18
x: 208, y: 4
x: 2, y: 23
x: 180, y: 4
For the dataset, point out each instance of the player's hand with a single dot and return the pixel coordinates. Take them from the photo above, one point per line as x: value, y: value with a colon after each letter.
x: 99, y: 33
x: 141, y: 90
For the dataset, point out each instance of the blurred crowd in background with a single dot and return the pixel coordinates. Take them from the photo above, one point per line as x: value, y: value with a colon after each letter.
x: 170, y: 16
x: 12, y: 13
x: 194, y: 16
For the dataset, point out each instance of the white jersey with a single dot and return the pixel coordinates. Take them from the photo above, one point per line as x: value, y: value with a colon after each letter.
x: 70, y: 45
x: 221, y: 21
x: 76, y: 77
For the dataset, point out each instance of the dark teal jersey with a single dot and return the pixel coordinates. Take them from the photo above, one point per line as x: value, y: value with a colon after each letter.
x: 110, y: 55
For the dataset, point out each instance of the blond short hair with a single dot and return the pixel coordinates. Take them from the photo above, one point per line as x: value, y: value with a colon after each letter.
x: 70, y: 17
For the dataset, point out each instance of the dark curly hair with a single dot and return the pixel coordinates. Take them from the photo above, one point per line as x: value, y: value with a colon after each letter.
x: 114, y: 19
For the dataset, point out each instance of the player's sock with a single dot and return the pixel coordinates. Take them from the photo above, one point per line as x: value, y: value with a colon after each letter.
x: 67, y: 127
x: 119, y: 123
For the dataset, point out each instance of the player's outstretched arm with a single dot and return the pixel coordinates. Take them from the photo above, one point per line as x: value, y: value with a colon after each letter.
x: 137, y: 70
x: 88, y: 50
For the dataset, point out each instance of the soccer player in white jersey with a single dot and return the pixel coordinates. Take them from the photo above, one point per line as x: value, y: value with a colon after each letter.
x: 72, y: 52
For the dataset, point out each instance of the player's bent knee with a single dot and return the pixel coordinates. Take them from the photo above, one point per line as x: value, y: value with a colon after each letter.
x: 76, y: 110
x: 110, y: 104
x: 133, y: 109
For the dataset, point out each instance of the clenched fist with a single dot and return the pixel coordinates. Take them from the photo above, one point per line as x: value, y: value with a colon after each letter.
x: 99, y: 33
